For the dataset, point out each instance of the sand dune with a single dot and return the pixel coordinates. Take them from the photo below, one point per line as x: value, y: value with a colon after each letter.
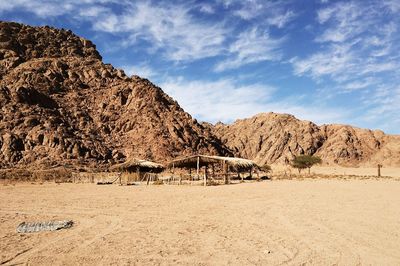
x: 321, y: 222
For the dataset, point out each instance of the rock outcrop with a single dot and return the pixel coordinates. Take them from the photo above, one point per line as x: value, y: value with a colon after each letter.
x: 271, y: 138
x: 60, y: 104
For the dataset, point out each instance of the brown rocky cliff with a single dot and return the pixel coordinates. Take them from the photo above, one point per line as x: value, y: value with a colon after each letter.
x: 276, y: 138
x: 60, y: 104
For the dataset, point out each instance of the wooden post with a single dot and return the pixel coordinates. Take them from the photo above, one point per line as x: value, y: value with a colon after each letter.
x: 198, y: 165
x: 239, y: 176
x: 138, y: 174
x: 213, y: 171
x: 379, y: 170
x: 205, y: 176
x: 226, y: 181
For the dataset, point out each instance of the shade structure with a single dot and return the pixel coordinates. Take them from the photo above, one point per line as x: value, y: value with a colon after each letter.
x: 238, y: 164
x: 134, y: 165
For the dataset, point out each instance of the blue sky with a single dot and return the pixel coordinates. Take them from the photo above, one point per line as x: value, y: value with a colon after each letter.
x: 321, y: 60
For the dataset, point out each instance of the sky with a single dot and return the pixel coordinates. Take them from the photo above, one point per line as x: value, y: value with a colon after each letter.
x: 321, y: 60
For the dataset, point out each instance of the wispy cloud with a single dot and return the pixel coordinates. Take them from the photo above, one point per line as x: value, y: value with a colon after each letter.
x: 357, y: 43
x: 383, y: 108
x: 280, y: 20
x: 220, y: 100
x: 251, y: 46
x: 168, y: 28
x: 335, y: 62
x: 273, y: 13
x: 142, y: 70
x: 226, y: 100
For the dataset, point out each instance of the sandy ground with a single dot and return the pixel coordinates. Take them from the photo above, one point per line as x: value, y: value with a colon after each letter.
x: 310, y: 222
x: 340, y: 171
x: 358, y: 171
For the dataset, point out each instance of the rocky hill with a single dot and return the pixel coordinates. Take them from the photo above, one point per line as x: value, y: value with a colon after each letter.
x: 60, y: 104
x: 276, y: 138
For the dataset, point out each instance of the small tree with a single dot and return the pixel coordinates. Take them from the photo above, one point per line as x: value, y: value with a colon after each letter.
x: 305, y: 161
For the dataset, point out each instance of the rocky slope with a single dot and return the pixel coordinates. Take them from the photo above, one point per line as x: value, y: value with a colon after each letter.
x: 276, y: 138
x: 60, y: 104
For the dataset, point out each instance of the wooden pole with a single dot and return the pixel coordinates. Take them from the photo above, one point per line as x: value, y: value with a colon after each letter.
x: 379, y: 170
x: 226, y: 181
x: 198, y: 165
x: 205, y: 176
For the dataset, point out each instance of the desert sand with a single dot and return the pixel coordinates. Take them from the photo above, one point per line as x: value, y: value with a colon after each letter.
x: 339, y: 171
x: 287, y: 222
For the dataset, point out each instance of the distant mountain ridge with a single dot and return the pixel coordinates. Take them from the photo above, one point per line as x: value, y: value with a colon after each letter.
x: 60, y: 104
x: 276, y: 138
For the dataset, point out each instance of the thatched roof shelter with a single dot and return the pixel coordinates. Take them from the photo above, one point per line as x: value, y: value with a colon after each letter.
x: 138, y: 165
x: 194, y: 161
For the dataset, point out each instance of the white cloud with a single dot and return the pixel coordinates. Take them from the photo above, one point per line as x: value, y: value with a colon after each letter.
x: 272, y: 13
x: 383, y: 108
x: 357, y: 43
x: 93, y: 11
x: 142, y: 70
x: 166, y: 27
x: 39, y: 8
x: 208, y: 9
x: 337, y: 61
x: 51, y: 8
x: 221, y: 100
x: 360, y: 84
x: 225, y: 100
x: 393, y: 5
x: 169, y: 28
x: 280, y: 20
x: 251, y: 46
x: 347, y: 21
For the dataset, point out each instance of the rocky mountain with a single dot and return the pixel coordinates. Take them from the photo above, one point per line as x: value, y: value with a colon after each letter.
x: 276, y: 138
x: 60, y: 104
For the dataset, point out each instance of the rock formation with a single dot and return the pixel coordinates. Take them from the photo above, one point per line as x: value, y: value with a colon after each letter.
x: 271, y: 138
x: 60, y: 104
